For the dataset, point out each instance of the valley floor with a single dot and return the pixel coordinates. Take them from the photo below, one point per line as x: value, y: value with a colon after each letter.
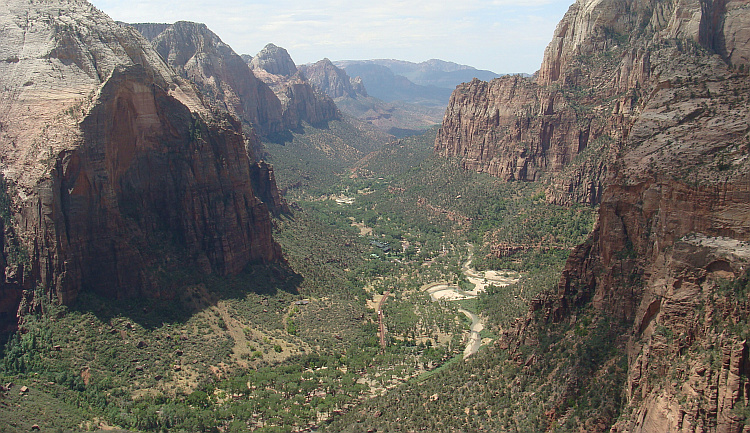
x: 300, y: 346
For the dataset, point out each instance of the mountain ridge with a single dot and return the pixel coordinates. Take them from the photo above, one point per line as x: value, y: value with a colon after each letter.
x: 350, y: 95
x: 433, y: 72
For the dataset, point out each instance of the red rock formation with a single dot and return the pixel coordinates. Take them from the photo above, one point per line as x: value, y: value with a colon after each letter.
x: 299, y: 102
x: 118, y: 172
x: 222, y: 76
x: 514, y: 129
x: 673, y: 230
x: 594, y: 71
x: 484, y: 127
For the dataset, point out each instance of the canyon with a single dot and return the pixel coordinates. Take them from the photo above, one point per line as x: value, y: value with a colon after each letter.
x: 133, y: 161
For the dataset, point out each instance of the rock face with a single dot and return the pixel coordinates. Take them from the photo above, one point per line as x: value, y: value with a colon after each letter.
x: 299, y: 101
x: 326, y: 78
x: 221, y: 75
x: 116, y: 170
x: 274, y: 60
x: 515, y: 129
x: 581, y: 101
x: 669, y: 257
x: 484, y: 127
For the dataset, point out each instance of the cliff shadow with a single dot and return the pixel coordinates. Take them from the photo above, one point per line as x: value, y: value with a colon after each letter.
x: 287, y: 136
x: 251, y: 292
x: 281, y: 138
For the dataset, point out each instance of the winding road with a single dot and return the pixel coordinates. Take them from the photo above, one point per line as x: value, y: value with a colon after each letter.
x: 447, y: 292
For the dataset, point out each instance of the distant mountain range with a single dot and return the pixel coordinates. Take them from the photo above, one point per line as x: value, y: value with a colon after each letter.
x: 434, y: 72
x: 427, y: 83
x: 395, y: 116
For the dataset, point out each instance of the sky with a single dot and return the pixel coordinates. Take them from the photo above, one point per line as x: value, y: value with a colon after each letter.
x: 504, y: 36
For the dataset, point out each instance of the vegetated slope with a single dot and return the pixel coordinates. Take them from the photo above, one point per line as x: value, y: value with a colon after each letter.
x: 114, y: 169
x: 437, y: 196
x: 396, y: 157
x: 314, y: 157
x: 272, y: 347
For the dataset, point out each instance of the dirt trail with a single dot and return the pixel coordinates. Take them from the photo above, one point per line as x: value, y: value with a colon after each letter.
x: 444, y: 291
x: 381, y: 325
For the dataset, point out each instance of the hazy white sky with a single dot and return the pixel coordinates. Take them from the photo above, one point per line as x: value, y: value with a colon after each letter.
x: 503, y: 36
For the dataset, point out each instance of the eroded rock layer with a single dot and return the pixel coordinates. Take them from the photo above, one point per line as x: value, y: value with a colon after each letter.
x: 596, y: 75
x: 666, y: 83
x: 117, y: 172
x: 221, y: 75
x: 299, y: 101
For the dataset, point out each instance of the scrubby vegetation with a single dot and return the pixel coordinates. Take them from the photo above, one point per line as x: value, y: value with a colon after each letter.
x: 285, y: 348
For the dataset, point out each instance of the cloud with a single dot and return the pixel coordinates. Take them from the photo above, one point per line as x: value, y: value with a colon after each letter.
x: 502, y: 35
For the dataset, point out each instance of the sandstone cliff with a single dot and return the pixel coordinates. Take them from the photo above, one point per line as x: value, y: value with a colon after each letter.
x: 516, y: 129
x: 667, y: 264
x: 221, y: 75
x: 299, y: 101
x: 326, y: 78
x: 117, y: 172
x: 586, y: 93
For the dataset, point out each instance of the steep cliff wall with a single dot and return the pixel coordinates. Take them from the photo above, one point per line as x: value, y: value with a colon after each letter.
x: 221, y: 75
x: 299, y: 101
x: 668, y: 261
x: 516, y: 129
x: 590, y: 86
x: 117, y: 172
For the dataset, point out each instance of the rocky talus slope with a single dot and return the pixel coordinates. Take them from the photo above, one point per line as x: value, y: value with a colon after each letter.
x: 664, y: 88
x: 299, y: 101
x: 115, y: 171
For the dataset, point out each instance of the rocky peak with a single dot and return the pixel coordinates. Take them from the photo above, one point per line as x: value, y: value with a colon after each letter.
x: 325, y: 77
x: 199, y: 55
x: 114, y: 164
x: 299, y: 101
x: 274, y: 60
